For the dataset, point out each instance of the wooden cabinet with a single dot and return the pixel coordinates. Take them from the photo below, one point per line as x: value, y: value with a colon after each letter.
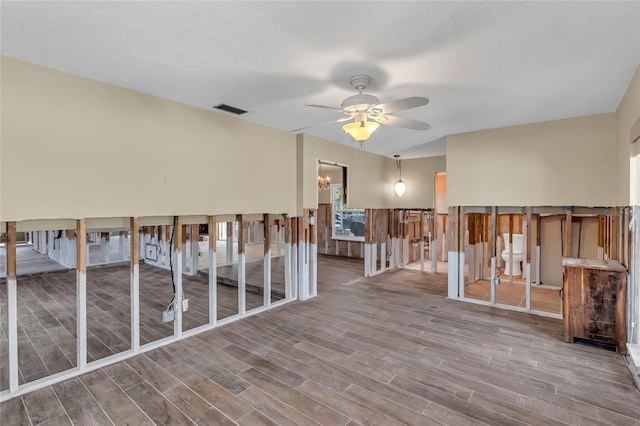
x: 595, y: 301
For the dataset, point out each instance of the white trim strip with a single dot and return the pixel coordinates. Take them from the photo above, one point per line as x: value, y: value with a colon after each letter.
x: 135, y: 308
x: 494, y: 280
x: 213, y: 285
x: 242, y: 284
x: 528, y: 290
x: 177, y: 303
x: 461, y: 275
x: 313, y: 270
x: 367, y: 260
x: 512, y: 308
x: 287, y: 272
x: 81, y: 331
x: 12, y: 304
x: 267, y: 279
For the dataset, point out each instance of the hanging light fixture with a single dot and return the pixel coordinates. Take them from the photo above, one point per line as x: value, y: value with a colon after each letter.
x: 324, y: 182
x: 361, y: 129
x: 399, y: 187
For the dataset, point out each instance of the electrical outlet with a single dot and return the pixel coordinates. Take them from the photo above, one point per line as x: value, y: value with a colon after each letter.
x: 168, y: 316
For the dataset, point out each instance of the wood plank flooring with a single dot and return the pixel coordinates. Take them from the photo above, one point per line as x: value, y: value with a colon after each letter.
x: 47, y: 315
x: 385, y: 350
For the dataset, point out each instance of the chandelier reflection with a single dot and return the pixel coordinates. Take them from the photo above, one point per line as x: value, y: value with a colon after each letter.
x: 324, y: 182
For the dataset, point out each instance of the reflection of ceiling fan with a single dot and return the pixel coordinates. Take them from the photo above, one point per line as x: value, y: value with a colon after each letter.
x: 367, y: 113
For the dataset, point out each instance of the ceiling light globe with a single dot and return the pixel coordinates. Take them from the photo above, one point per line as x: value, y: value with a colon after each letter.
x: 361, y: 132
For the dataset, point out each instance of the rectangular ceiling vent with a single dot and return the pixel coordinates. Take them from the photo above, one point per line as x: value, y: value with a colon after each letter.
x: 229, y: 108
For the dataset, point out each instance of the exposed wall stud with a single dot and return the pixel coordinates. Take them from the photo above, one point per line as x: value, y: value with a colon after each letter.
x: 422, y: 235
x: 213, y: 270
x: 81, y: 292
x: 303, y: 256
x: 266, y: 301
x: 452, y: 219
x: 528, y: 258
x: 538, y: 250
x: 178, y: 240
x: 567, y: 235
x: 242, y: 296
x: 229, y: 250
x: 294, y: 257
x: 614, y: 255
x: 287, y: 259
x: 313, y: 253
x: 493, y: 244
x: 461, y: 261
x: 12, y: 306
x: 509, y: 246
x: 134, y: 283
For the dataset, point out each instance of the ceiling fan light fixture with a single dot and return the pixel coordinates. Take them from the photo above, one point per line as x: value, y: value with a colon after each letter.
x: 361, y: 130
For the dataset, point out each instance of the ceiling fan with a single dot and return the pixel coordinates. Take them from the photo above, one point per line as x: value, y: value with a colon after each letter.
x: 367, y: 113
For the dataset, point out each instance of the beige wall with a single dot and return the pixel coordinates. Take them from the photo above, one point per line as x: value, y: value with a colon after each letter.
x: 555, y: 163
x: 419, y: 176
x: 366, y: 176
x: 626, y: 115
x: 371, y: 177
x: 74, y: 147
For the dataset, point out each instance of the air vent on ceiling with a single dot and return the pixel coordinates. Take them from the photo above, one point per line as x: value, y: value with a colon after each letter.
x: 229, y: 108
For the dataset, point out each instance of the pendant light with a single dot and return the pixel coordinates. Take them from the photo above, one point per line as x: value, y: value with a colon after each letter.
x: 399, y: 187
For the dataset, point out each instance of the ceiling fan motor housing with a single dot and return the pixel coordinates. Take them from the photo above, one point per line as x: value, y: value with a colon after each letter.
x: 359, y: 103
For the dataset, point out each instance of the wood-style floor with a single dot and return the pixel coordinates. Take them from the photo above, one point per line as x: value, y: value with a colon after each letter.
x: 47, y: 313
x: 385, y: 350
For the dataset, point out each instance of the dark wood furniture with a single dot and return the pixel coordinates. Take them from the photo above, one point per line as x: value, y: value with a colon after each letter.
x: 595, y: 301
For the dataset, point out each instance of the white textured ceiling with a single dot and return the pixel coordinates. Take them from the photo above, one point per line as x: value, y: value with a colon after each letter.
x: 482, y: 64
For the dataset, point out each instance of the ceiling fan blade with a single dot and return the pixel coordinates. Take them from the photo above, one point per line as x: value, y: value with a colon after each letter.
x: 301, y: 128
x: 407, y: 123
x: 324, y: 106
x: 402, y: 104
x: 339, y: 120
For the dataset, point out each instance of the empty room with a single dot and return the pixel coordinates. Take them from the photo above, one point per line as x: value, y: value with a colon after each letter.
x: 319, y: 212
